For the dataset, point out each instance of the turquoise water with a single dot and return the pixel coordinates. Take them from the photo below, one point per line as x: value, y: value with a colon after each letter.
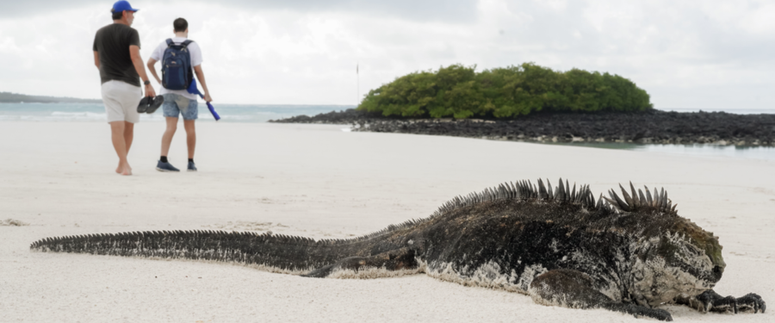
x: 760, y: 153
x: 95, y: 112
x: 229, y: 112
x: 79, y: 112
x: 735, y: 111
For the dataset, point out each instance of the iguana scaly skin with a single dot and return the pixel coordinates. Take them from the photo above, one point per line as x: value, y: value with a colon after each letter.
x: 628, y: 254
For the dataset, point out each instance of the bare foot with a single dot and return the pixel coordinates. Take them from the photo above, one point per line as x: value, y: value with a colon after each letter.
x: 118, y: 170
x: 124, y: 169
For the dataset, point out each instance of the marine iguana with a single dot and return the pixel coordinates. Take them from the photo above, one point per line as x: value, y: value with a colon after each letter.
x: 628, y: 254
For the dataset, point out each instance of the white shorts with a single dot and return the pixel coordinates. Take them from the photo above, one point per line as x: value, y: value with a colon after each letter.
x: 121, y: 100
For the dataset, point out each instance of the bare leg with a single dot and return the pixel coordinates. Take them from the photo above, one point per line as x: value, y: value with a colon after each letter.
x: 190, y: 136
x: 117, y: 129
x: 129, y: 135
x: 166, y: 139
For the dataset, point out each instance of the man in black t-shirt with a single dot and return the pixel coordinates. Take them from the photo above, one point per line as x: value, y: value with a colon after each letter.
x: 117, y: 56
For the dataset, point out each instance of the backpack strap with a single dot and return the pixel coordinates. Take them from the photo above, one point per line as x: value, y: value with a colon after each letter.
x: 183, y: 44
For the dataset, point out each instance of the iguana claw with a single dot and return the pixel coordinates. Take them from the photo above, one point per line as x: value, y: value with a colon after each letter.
x: 713, y: 302
x: 751, y: 302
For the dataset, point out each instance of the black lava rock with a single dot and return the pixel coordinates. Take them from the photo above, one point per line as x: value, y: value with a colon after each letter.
x: 650, y: 127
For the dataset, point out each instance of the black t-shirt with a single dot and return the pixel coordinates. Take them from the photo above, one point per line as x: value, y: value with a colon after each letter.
x: 112, y: 43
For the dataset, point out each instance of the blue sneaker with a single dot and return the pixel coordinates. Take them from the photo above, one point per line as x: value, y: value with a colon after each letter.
x: 166, y: 167
x: 191, y: 166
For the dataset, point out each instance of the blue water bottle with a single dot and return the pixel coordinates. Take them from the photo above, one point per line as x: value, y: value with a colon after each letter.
x: 193, y: 90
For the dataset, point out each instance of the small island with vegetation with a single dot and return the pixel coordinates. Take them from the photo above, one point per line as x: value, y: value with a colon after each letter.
x: 7, y: 97
x: 536, y: 104
x: 503, y: 93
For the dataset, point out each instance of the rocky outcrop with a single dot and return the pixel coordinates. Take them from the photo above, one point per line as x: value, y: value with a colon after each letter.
x: 651, y: 127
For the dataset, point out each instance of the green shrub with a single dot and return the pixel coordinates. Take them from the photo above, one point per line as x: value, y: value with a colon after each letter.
x: 458, y: 91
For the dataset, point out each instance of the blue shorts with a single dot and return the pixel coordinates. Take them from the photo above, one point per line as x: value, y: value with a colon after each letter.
x: 172, y: 107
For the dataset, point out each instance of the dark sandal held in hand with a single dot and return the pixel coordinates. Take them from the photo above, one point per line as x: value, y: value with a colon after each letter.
x: 153, y: 106
x: 150, y: 104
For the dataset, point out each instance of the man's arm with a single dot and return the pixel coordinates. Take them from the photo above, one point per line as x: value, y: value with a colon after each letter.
x: 201, y: 76
x: 97, y: 59
x: 137, y: 61
x: 151, y: 67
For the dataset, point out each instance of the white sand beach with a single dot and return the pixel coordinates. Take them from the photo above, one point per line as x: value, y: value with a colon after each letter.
x: 320, y: 182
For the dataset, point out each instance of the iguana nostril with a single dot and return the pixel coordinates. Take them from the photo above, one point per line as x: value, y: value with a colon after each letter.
x: 717, y: 271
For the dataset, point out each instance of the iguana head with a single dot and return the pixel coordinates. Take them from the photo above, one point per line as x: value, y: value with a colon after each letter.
x: 672, y: 256
x: 685, y: 262
x: 693, y: 242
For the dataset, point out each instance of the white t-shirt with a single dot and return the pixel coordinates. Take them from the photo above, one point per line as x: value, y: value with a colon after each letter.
x: 196, y: 60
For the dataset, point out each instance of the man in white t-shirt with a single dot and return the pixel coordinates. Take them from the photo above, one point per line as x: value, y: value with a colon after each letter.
x: 179, y: 102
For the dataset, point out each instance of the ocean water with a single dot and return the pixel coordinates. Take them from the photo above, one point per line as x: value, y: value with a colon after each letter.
x: 728, y: 151
x: 79, y: 112
x: 735, y: 111
x: 95, y: 112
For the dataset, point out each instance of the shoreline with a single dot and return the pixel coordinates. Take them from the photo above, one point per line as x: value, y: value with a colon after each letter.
x: 651, y: 127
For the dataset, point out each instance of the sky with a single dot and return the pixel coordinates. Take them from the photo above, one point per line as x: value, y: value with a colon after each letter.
x: 686, y: 54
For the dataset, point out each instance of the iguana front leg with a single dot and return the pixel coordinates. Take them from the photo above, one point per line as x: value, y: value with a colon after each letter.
x: 394, y: 260
x: 574, y: 289
x: 710, y: 301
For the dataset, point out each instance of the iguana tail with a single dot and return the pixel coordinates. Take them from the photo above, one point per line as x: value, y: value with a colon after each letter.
x: 289, y: 254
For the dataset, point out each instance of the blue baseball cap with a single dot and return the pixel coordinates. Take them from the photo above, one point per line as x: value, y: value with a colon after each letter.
x: 122, y: 5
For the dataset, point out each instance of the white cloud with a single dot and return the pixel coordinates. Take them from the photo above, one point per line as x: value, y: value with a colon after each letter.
x: 709, y: 54
x: 436, y: 10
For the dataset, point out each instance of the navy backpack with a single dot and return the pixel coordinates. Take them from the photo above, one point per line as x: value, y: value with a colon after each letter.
x: 176, y: 73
